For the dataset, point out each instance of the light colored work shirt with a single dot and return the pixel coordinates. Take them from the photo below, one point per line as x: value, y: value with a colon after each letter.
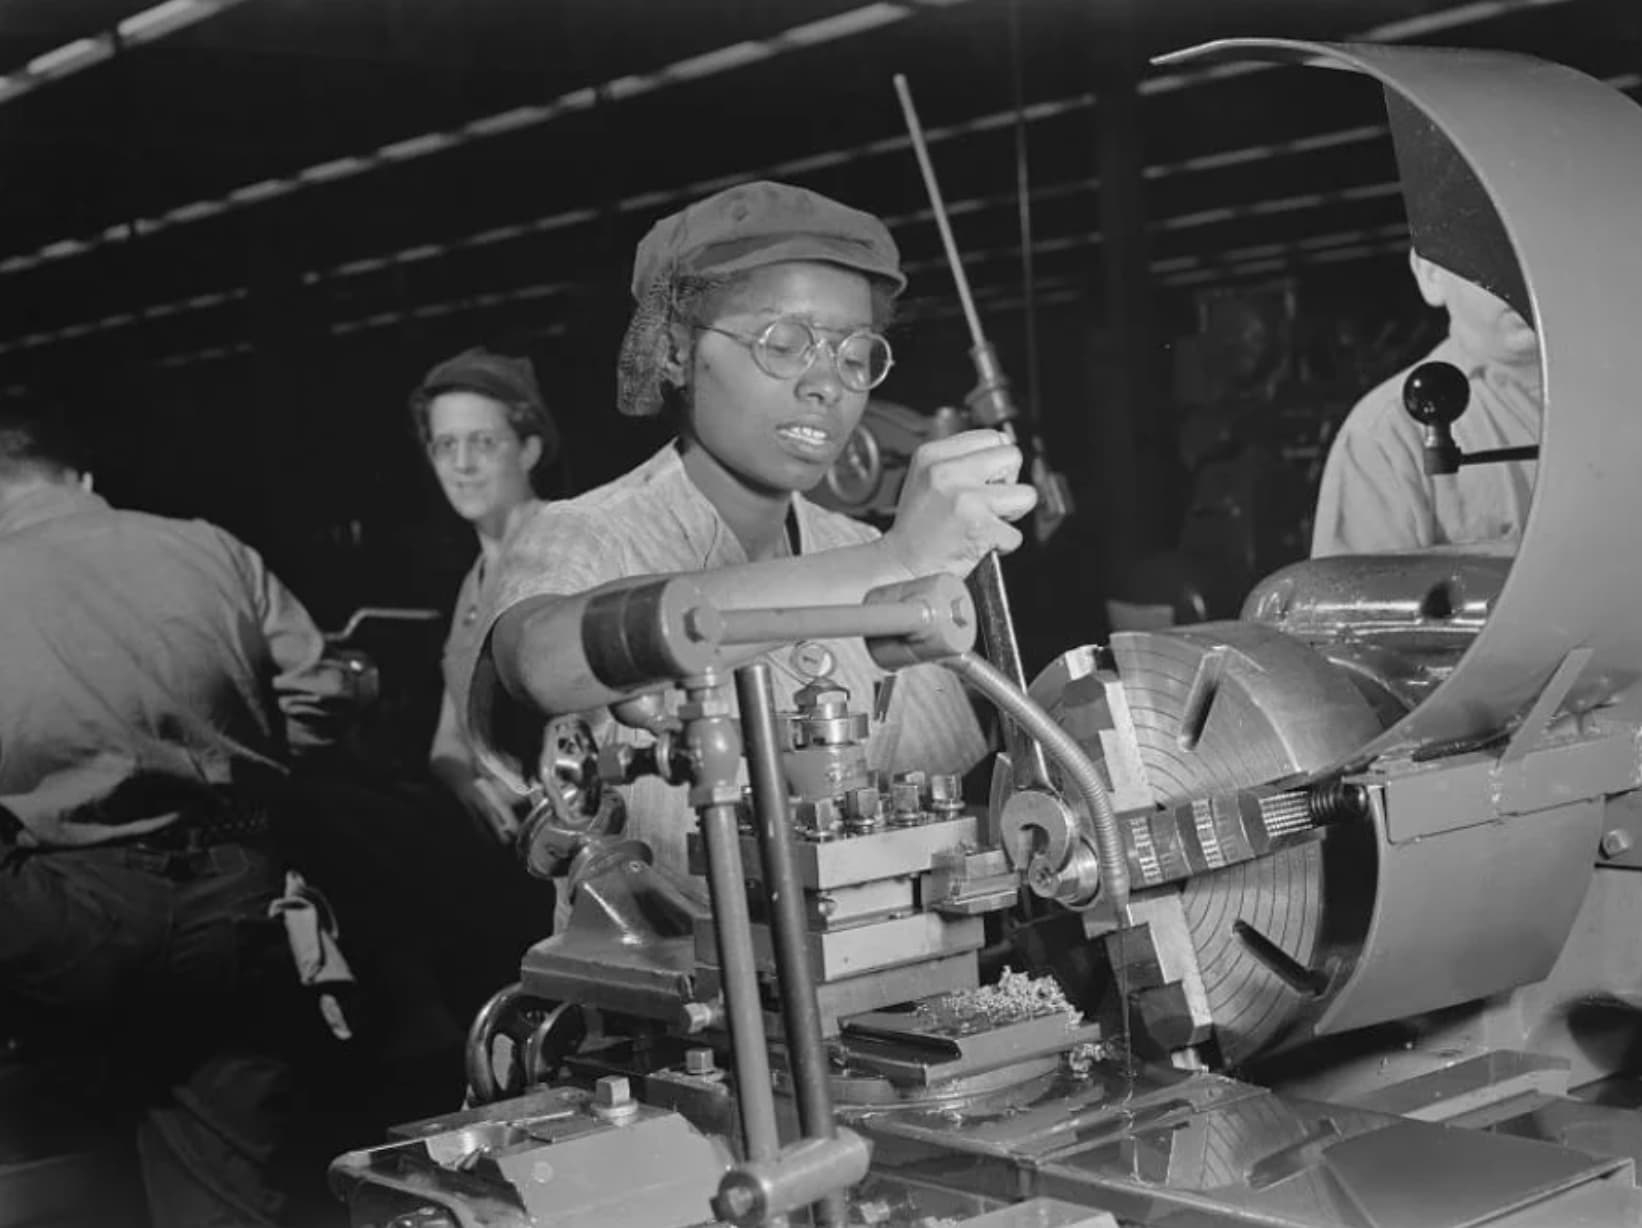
x: 653, y: 521
x: 463, y: 638
x: 144, y: 662
x: 1375, y: 494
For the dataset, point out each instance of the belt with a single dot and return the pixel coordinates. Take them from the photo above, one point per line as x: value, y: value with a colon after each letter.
x: 191, y: 835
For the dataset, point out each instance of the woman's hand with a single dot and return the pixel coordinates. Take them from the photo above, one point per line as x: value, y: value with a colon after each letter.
x: 958, y: 503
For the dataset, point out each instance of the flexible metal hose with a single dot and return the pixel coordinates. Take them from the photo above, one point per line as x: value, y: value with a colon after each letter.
x: 980, y: 674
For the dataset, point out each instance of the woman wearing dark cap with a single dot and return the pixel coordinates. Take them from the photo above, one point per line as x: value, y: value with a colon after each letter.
x: 758, y: 326
x: 486, y: 430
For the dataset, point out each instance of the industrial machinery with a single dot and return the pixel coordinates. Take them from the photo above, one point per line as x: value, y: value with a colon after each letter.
x: 1317, y: 916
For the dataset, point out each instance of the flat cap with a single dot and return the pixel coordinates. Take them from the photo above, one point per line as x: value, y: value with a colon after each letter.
x: 756, y: 224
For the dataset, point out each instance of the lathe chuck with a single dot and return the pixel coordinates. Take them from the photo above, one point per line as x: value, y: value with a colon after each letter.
x: 1176, y: 715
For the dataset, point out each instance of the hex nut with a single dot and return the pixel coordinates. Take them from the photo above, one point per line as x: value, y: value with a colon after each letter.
x: 1616, y: 843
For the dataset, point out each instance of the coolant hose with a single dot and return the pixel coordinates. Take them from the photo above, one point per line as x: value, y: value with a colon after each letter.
x: 1018, y: 706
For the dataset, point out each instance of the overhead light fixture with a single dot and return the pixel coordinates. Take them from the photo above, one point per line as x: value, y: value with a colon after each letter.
x: 83, y: 53
x: 523, y: 117
x: 173, y: 13
x: 168, y: 18
x: 69, y: 58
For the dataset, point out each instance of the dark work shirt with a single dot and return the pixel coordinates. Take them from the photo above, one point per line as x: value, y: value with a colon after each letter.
x: 145, y: 664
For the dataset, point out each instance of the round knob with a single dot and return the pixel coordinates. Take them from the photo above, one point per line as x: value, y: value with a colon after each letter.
x: 1436, y: 392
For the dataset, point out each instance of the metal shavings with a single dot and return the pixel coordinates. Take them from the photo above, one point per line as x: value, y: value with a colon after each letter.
x: 1016, y: 998
x: 1081, y: 1059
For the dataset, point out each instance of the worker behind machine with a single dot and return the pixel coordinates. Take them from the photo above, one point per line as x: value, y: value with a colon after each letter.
x: 156, y: 680
x: 759, y: 329
x: 486, y: 429
x: 1375, y: 495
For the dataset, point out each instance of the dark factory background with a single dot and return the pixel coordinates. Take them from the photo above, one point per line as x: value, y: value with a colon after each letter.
x: 233, y: 233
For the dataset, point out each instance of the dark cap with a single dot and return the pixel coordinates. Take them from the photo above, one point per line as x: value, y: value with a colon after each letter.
x: 745, y: 227
x: 511, y: 381
x: 1451, y: 219
x: 755, y: 224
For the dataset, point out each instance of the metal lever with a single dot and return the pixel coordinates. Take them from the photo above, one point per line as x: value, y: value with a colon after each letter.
x: 992, y: 406
x: 1435, y: 395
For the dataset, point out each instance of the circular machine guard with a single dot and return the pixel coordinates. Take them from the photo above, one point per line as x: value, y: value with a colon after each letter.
x: 1560, y: 156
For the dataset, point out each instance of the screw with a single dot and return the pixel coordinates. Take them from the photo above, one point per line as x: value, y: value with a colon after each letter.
x: 736, y: 1202
x: 812, y: 660
x: 1042, y: 878
x: 1616, y: 843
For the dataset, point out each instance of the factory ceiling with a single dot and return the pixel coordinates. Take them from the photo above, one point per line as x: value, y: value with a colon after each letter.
x: 167, y: 167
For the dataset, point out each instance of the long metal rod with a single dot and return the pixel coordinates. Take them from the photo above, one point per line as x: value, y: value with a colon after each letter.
x: 800, y: 1013
x: 1023, y: 199
x: 921, y: 150
x: 732, y: 926
x: 1028, y: 763
x: 760, y: 626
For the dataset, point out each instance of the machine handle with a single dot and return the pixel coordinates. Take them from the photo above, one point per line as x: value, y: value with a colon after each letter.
x: 1435, y: 395
x: 379, y: 613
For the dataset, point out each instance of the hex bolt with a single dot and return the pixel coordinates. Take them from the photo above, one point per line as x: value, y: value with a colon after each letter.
x: 827, y: 815
x: 906, y: 804
x: 700, y: 1061
x: 612, y: 1091
x: 819, y: 820
x: 864, y: 802
x: 913, y: 777
x: 946, y: 795
x: 1616, y: 843
x: 863, y: 811
x: 613, y: 1100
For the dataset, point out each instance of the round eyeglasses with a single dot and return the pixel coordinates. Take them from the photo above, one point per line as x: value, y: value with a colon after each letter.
x: 443, y: 449
x: 786, y: 347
